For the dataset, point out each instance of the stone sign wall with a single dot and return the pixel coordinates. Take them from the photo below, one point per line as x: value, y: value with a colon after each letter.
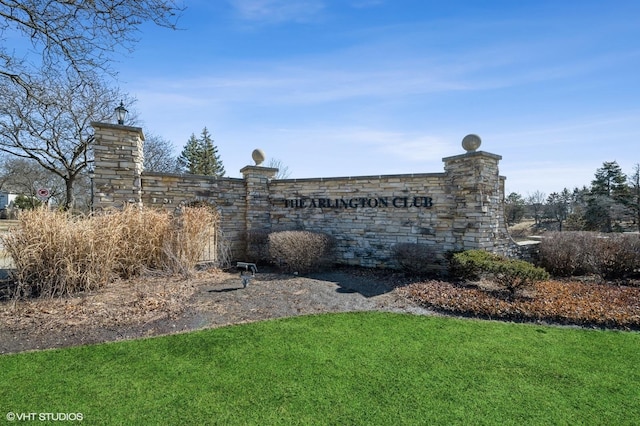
x: 461, y: 208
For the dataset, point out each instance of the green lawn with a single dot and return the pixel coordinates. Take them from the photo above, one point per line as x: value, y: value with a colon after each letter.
x: 358, y: 368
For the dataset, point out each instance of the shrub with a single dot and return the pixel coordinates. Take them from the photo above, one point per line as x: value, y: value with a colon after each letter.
x: 258, y: 246
x: 55, y: 253
x: 510, y: 274
x: 190, y: 232
x: 577, y: 253
x: 418, y: 259
x: 300, y: 251
x: 514, y: 274
x: 470, y: 264
x: 616, y: 255
x: 566, y: 254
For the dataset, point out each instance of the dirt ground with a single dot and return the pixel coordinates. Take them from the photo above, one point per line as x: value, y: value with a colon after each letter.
x: 155, y: 306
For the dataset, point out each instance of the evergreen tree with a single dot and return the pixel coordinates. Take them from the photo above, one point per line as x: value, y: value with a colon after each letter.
x: 577, y: 208
x: 210, y: 163
x: 610, y: 181
x: 608, y: 198
x: 200, y: 156
x: 188, y: 159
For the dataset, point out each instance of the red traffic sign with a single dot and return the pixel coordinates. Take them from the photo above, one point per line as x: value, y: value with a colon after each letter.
x: 43, y: 193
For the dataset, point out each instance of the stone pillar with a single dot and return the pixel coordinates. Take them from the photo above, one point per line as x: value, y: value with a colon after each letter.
x: 118, y: 154
x: 258, y: 211
x: 478, y: 193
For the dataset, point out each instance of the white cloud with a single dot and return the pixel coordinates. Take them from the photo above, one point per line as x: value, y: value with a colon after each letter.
x: 278, y: 11
x: 358, y: 150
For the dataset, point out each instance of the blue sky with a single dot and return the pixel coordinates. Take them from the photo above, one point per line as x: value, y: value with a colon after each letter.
x: 368, y: 87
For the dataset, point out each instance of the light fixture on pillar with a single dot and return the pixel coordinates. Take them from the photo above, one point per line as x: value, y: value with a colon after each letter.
x: 92, y: 175
x: 121, y: 113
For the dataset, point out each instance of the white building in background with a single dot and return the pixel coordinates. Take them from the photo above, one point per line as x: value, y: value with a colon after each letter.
x: 6, y: 199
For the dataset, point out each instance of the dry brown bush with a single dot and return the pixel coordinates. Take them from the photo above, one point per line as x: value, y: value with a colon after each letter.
x: 300, y: 251
x: 258, y: 246
x: 578, y: 253
x: 192, y: 229
x: 55, y: 253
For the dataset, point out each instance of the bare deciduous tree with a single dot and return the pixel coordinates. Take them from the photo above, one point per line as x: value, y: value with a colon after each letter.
x: 25, y: 177
x: 70, y: 35
x: 283, y: 171
x: 53, y: 128
x: 536, y: 202
x: 158, y: 154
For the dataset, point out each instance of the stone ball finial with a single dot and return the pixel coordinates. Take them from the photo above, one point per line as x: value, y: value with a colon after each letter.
x: 258, y: 156
x: 471, y: 142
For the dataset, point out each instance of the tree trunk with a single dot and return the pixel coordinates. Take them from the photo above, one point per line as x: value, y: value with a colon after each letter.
x: 68, y: 199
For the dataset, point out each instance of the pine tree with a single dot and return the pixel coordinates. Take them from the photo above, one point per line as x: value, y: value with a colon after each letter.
x: 210, y: 163
x: 608, y: 198
x: 189, y: 157
x: 200, y: 156
x: 610, y: 181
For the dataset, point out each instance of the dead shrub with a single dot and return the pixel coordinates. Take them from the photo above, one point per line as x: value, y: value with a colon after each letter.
x: 142, y: 234
x: 300, y: 251
x: 258, y: 246
x: 55, y: 253
x: 191, y: 230
x: 616, y: 256
x: 610, y: 256
x: 566, y: 254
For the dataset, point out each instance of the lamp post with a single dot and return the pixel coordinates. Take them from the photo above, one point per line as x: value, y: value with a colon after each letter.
x: 92, y: 174
x: 121, y: 113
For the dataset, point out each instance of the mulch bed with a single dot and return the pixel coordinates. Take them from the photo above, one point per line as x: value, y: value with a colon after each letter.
x: 152, y: 306
x: 586, y: 304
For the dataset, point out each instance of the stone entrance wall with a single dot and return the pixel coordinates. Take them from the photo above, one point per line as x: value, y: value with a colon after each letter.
x: 461, y: 208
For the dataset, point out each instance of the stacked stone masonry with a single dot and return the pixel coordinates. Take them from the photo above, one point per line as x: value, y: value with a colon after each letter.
x: 461, y: 208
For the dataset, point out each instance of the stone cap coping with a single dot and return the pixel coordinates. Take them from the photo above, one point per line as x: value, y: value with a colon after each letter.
x: 326, y: 179
x: 473, y: 154
x: 181, y: 175
x: 259, y: 169
x: 118, y: 127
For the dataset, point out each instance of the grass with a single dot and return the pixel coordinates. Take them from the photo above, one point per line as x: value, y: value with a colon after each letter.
x: 357, y: 368
x: 6, y: 224
x: 56, y: 253
x: 5, y: 259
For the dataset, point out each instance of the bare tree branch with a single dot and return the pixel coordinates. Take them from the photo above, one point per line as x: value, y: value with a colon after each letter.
x: 75, y: 35
x: 52, y: 126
